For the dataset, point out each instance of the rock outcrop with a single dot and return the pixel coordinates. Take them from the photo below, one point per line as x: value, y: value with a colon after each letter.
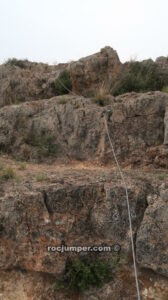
x: 90, y: 73
x: 80, y: 206
x: 73, y: 128
x: 152, y: 237
x: 27, y: 81
x: 84, y: 213
x: 59, y: 185
x: 22, y: 81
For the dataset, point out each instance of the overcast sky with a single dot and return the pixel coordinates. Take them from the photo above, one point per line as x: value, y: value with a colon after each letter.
x: 63, y: 30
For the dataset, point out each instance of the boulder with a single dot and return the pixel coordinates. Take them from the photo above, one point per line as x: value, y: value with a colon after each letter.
x: 90, y: 73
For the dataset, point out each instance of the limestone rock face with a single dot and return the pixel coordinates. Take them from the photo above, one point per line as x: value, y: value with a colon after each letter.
x: 67, y: 192
x: 80, y: 207
x: 89, y: 73
x: 26, y: 81
x: 22, y: 81
x: 152, y: 237
x: 32, y: 220
x: 30, y: 81
x: 72, y: 127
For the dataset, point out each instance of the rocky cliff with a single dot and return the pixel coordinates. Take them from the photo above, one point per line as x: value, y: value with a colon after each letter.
x: 21, y: 80
x: 69, y: 127
x: 59, y: 185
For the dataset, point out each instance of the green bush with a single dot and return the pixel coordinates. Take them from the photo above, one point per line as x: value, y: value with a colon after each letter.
x: 140, y: 77
x: 62, y: 85
x: 81, y: 273
x: 17, y: 62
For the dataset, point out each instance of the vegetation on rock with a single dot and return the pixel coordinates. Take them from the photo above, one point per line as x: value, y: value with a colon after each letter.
x: 17, y: 62
x: 83, y: 273
x: 140, y: 77
x: 63, y: 85
x: 6, y: 173
x: 101, y: 96
x: 41, y: 177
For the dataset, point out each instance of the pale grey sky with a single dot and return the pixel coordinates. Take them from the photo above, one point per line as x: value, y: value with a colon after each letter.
x: 62, y: 30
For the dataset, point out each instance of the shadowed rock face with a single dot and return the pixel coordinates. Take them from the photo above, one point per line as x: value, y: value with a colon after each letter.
x: 73, y: 127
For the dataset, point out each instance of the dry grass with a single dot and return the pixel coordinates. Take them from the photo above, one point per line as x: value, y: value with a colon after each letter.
x: 6, y: 173
x: 22, y: 165
x: 101, y: 96
x: 41, y: 177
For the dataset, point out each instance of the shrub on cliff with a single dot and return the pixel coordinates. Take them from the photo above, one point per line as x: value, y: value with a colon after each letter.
x: 63, y: 85
x: 140, y: 77
x: 85, y: 272
x: 81, y: 273
x: 17, y: 62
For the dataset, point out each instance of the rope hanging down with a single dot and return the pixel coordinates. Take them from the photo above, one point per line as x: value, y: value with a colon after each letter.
x: 128, y: 207
x: 126, y: 193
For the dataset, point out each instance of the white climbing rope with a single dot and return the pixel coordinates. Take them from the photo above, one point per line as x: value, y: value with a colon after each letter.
x: 126, y: 193
x: 128, y: 207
